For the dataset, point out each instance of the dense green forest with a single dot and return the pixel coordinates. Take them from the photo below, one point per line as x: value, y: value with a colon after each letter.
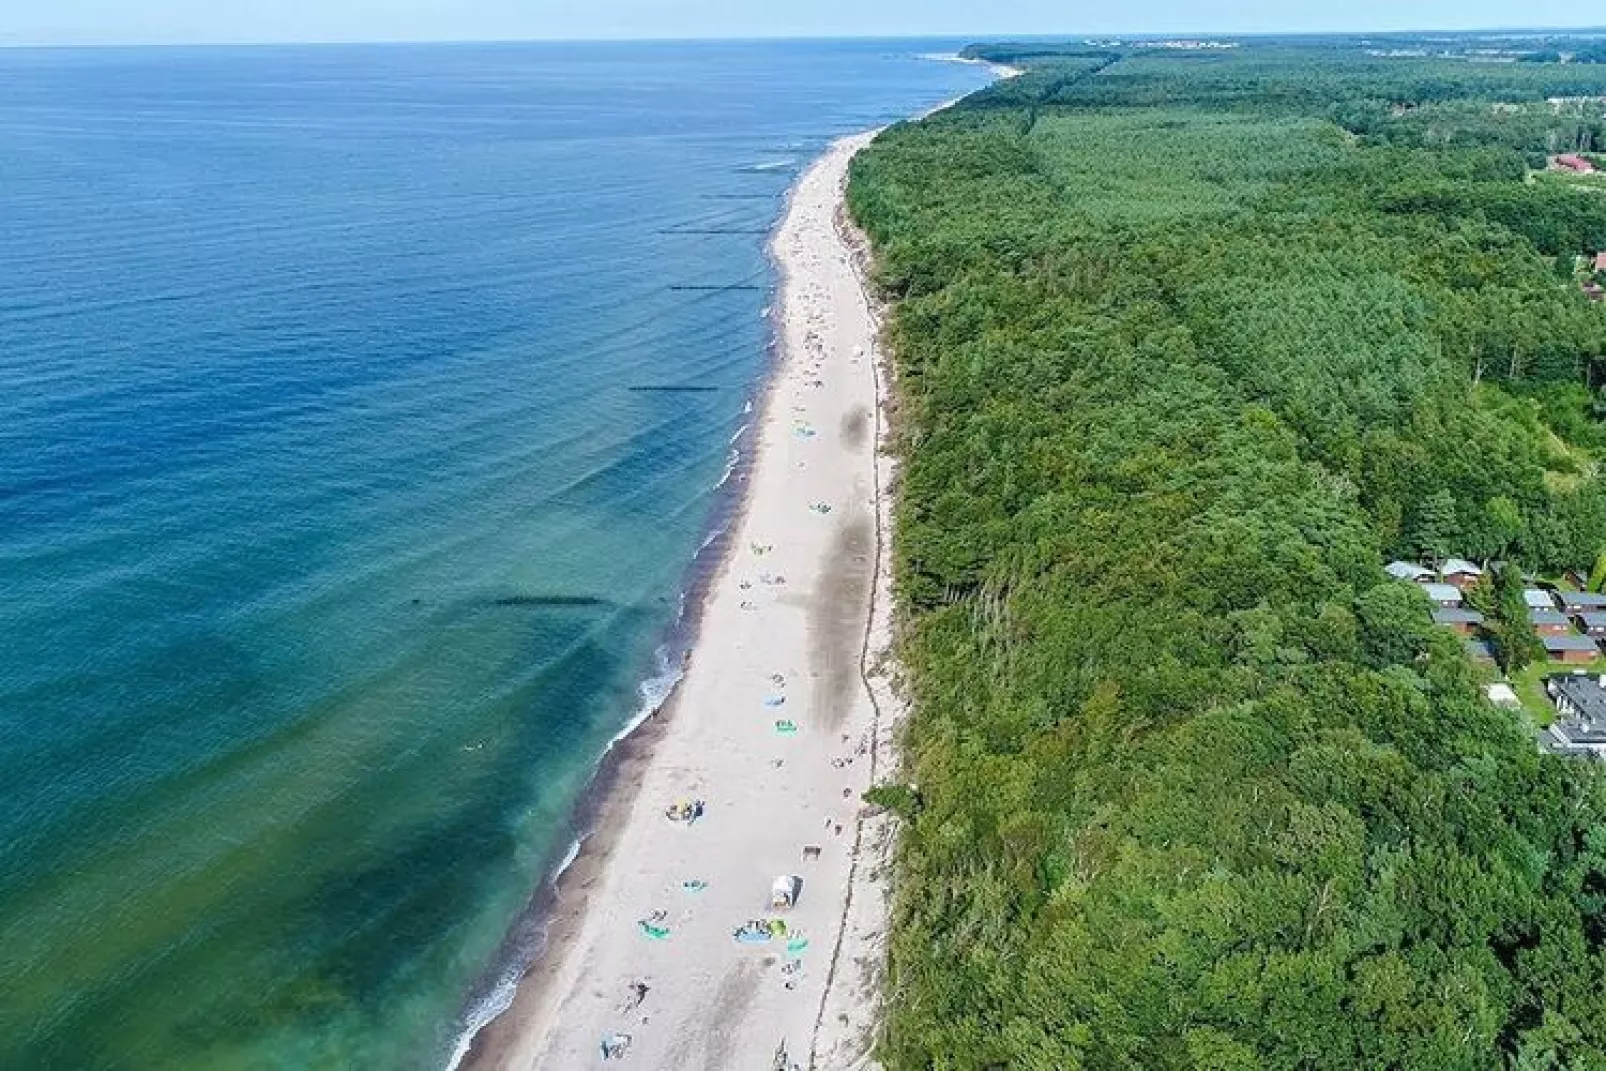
x: 1189, y: 344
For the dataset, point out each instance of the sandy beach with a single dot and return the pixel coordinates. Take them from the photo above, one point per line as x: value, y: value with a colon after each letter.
x: 776, y: 731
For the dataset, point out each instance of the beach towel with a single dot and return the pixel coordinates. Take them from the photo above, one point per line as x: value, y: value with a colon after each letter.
x: 785, y: 728
x: 657, y: 933
x: 775, y: 701
x: 753, y: 932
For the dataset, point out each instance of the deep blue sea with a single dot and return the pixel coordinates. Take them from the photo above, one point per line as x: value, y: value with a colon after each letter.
x: 335, y: 545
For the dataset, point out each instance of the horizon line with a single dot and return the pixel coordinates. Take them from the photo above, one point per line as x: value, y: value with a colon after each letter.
x: 1069, y: 37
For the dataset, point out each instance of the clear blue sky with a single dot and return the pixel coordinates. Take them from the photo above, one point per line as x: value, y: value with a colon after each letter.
x: 130, y: 21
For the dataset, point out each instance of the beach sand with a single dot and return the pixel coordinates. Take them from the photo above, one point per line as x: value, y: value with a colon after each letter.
x: 779, y: 726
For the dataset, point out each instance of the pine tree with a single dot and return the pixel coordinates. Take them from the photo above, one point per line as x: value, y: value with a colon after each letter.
x: 1516, y: 645
x: 1434, y: 527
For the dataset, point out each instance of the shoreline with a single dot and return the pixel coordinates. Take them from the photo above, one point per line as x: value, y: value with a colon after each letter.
x: 529, y: 1031
x: 535, y: 931
x: 847, y: 1014
x: 1001, y: 71
x: 542, y: 930
x: 544, y: 926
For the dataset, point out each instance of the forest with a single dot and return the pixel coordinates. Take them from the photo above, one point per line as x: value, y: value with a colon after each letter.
x: 1189, y: 344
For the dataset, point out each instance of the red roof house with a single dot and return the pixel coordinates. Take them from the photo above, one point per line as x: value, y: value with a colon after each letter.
x: 1574, y: 162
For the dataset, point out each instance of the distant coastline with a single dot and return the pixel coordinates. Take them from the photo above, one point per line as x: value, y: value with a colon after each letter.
x: 1000, y: 70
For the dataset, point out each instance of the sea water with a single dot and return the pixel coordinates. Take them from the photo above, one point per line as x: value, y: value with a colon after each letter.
x: 335, y: 543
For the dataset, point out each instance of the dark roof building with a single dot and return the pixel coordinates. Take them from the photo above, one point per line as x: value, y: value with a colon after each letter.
x: 1461, y: 620
x: 1583, y: 600
x: 1443, y: 594
x: 1594, y: 622
x: 1480, y: 650
x: 1569, y: 647
x: 1580, y: 725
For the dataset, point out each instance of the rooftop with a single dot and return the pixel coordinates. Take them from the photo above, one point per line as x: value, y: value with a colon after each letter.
x: 1454, y: 566
x: 1547, y: 617
x: 1443, y: 593
x: 1406, y: 571
x: 1581, y: 702
x: 1538, y: 599
x: 1593, y: 619
x: 1583, y: 599
x: 1455, y: 615
x: 1568, y: 642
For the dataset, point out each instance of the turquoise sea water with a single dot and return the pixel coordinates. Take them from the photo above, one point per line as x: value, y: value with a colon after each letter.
x: 334, y: 546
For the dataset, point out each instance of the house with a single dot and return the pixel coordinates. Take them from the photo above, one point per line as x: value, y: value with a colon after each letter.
x: 1480, y: 651
x: 1460, y: 572
x: 1538, y: 599
x: 1569, y: 647
x: 1576, y: 602
x: 1550, y: 622
x: 1407, y: 571
x: 1580, y: 725
x: 1462, y: 620
x: 1443, y: 594
x: 1593, y: 622
x: 1502, y: 695
x: 1569, y: 161
x: 1600, y: 261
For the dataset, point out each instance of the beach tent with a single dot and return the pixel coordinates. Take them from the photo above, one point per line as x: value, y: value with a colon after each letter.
x: 784, y: 891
